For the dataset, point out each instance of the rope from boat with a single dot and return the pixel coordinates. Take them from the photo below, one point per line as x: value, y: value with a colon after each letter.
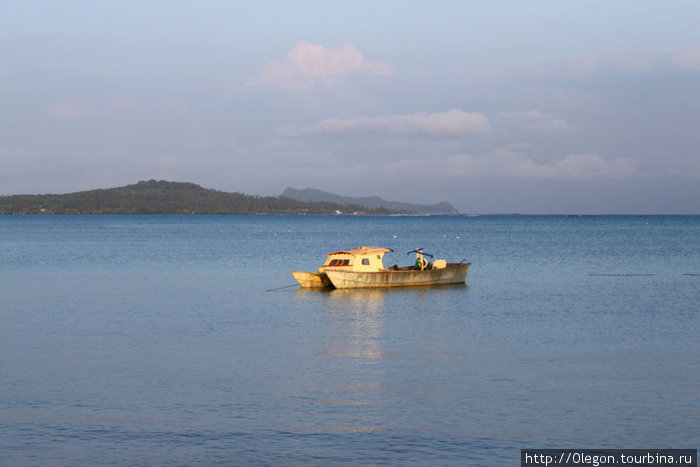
x: 288, y: 286
x: 280, y: 288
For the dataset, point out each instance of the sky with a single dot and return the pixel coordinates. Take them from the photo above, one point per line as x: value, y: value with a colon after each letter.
x: 536, y: 107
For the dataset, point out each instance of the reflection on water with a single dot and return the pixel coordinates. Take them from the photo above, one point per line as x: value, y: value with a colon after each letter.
x: 378, y: 294
x: 357, y: 316
x: 368, y: 299
x: 352, y: 343
x: 350, y: 346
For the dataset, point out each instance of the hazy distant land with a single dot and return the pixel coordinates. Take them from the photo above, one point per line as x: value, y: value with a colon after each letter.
x: 369, y: 202
x: 163, y: 197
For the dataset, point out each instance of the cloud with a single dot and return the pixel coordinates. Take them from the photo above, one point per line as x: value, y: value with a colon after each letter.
x: 590, y: 67
x: 307, y: 63
x: 636, y: 63
x: 535, y: 120
x: 453, y: 123
x: 67, y: 109
x: 686, y: 59
x: 504, y: 163
x: 591, y: 165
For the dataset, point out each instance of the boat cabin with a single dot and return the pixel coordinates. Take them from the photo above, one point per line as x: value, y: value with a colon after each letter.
x: 362, y: 258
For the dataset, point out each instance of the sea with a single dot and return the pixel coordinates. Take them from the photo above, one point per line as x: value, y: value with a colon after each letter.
x: 183, y: 340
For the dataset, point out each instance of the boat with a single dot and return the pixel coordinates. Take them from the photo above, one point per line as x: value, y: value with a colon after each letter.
x: 362, y: 267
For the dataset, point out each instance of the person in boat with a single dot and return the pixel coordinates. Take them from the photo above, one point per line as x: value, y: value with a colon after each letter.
x: 421, y: 262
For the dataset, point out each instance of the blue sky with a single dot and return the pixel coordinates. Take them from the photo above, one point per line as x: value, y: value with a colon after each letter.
x: 495, y: 106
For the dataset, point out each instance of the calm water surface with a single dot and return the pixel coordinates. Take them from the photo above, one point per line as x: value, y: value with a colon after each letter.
x: 151, y: 340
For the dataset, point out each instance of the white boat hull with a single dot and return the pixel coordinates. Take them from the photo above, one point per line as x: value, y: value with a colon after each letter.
x: 454, y: 273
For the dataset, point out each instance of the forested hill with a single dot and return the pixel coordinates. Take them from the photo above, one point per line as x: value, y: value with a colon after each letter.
x: 162, y: 197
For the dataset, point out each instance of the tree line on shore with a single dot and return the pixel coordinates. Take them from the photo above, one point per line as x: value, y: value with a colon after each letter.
x: 163, y: 197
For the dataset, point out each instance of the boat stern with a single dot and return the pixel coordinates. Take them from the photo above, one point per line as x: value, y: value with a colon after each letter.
x: 311, y: 280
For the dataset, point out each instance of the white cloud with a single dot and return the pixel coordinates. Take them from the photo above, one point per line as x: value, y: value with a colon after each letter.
x: 504, y: 163
x: 535, y: 120
x: 453, y: 123
x: 307, y: 63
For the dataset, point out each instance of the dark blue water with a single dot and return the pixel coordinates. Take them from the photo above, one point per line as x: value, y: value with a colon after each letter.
x: 151, y: 340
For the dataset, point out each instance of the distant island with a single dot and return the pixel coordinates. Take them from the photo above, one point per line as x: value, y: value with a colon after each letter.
x: 163, y: 197
x: 311, y: 195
